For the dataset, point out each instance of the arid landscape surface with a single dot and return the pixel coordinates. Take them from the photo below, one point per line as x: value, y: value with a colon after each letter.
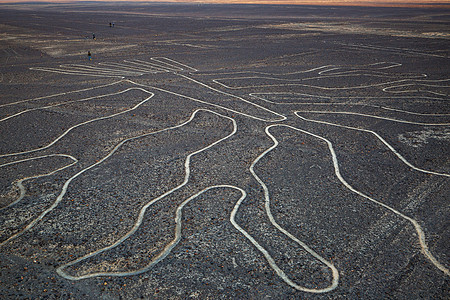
x: 224, y: 152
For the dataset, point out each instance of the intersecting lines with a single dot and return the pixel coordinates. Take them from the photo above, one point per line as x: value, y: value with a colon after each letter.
x: 44, y: 110
x: 127, y: 68
x: 417, y: 227
x: 290, y: 143
x: 344, y: 78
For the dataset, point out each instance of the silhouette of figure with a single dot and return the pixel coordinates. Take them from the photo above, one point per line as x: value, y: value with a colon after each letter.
x: 93, y: 36
x: 89, y: 55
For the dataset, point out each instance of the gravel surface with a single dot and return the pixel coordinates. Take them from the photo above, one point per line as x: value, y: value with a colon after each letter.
x: 224, y: 152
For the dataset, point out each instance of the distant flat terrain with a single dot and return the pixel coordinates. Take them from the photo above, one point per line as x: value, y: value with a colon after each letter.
x: 224, y: 152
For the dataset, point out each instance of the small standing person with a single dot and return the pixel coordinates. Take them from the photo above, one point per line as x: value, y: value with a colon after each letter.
x: 89, y: 55
x: 110, y: 25
x: 93, y: 36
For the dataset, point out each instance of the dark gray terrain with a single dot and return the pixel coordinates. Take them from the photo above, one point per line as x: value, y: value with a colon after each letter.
x: 224, y: 152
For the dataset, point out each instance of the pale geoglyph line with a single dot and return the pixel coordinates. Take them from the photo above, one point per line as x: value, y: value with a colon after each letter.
x: 347, y: 74
x: 237, y: 97
x: 396, y: 82
x: 165, y: 65
x: 143, y: 64
x: 265, y: 73
x: 168, y: 67
x: 142, y: 212
x: 335, y: 272
x: 19, y: 182
x: 151, y: 65
x: 217, y: 81
x: 212, y: 104
x: 163, y: 254
x: 83, y: 123
x: 135, y: 66
x: 388, y: 89
x: 379, y: 138
x: 158, y: 59
x: 64, y: 103
x: 412, y: 113
x: 101, y: 70
x: 124, y: 68
x: 62, y: 71
x: 161, y: 66
x: 61, y: 94
x: 392, y: 49
x: 151, y: 202
x: 74, y: 71
x: 417, y: 227
x: 331, y: 67
x: 255, y: 95
x: 374, y: 117
x: 168, y: 248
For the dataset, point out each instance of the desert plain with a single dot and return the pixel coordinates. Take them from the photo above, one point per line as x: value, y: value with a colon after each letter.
x: 224, y: 152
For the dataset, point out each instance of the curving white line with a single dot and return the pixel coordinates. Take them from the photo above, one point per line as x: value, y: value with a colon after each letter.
x: 212, y: 104
x: 19, y: 182
x: 416, y: 225
x: 335, y: 272
x: 299, y: 84
x: 142, y: 212
x: 350, y: 74
x: 63, y: 103
x: 414, y: 84
x: 412, y: 113
x: 163, y: 254
x: 124, y: 67
x: 153, y: 65
x: 144, y: 208
x: 380, y: 139
x: 159, y: 59
x: 392, y: 49
x: 331, y: 67
x: 374, y: 117
x: 168, y: 248
x: 237, y: 97
x: 143, y: 64
x: 255, y: 95
x: 60, y: 94
x: 83, y: 123
x: 175, y: 68
x: 107, y: 71
x: 66, y: 72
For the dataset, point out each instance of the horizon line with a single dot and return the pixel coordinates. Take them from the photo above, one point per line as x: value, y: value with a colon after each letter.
x: 361, y: 3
